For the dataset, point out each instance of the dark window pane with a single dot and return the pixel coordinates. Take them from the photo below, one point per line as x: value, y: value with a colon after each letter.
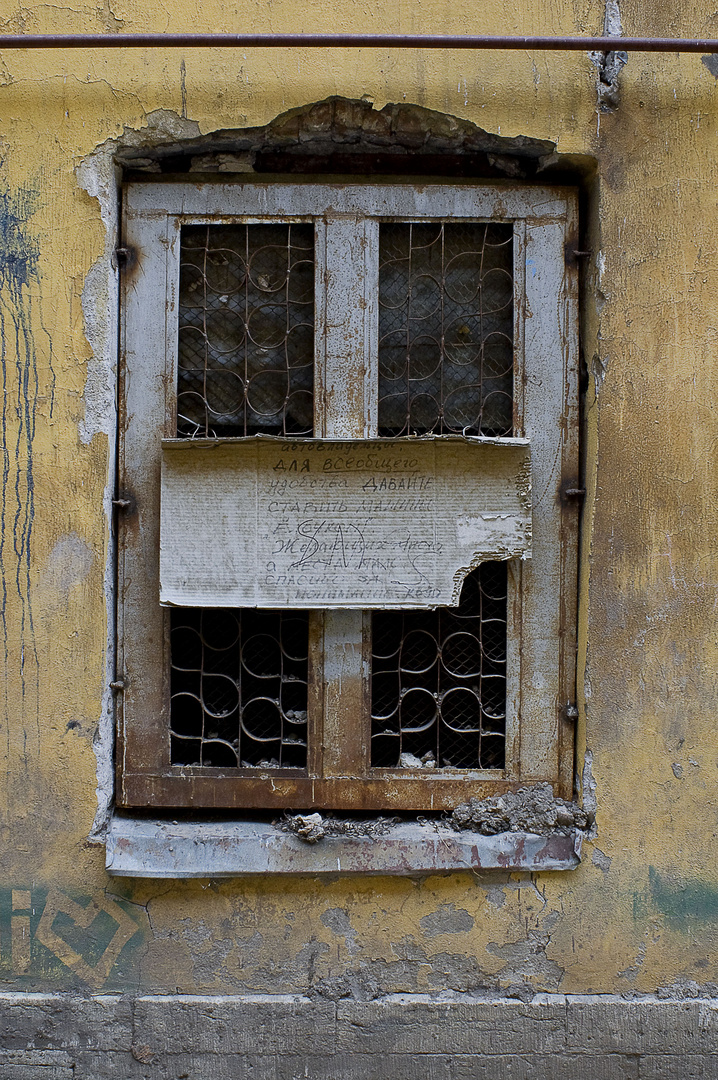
x: 438, y: 680
x: 239, y: 688
x: 246, y: 330
x: 445, y: 328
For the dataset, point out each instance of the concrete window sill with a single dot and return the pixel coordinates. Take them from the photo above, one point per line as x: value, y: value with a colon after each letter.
x: 161, y: 849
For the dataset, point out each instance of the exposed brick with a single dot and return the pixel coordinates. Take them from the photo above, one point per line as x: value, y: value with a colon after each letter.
x: 317, y: 120
x: 445, y: 127
x: 349, y: 118
x: 377, y: 127
x: 409, y: 126
x: 286, y: 127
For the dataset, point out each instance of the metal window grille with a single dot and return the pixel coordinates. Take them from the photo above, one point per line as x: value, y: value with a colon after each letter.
x: 246, y: 330
x: 445, y: 328
x: 438, y: 687
x: 352, y: 224
x: 239, y: 688
x: 245, y: 365
x: 238, y: 697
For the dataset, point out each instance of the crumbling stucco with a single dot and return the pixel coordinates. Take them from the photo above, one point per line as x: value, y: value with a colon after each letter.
x: 314, y: 827
x: 447, y: 919
x: 530, y: 809
x: 588, y: 792
x: 609, y: 64
x: 99, y: 175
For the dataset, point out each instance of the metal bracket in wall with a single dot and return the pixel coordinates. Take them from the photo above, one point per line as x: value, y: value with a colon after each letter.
x: 124, y: 258
x: 125, y: 502
x: 571, y: 492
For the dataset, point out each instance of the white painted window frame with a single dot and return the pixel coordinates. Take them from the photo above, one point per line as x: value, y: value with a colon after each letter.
x: 542, y: 590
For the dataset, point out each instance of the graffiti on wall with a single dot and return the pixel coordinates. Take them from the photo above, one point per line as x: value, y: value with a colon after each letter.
x: 47, y: 936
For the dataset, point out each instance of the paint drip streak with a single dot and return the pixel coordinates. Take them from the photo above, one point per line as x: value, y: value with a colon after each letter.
x: 19, y: 258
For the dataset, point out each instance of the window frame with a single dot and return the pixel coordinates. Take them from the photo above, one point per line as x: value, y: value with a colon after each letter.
x: 541, y: 632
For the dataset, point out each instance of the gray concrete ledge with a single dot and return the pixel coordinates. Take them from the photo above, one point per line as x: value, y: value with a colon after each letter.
x: 401, y: 1037
x: 161, y: 849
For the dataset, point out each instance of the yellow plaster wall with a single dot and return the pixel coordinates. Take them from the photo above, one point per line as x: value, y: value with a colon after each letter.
x: 642, y: 911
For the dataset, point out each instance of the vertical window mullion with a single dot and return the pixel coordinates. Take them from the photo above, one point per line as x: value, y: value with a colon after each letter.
x: 514, y: 589
x: 347, y: 328
x: 148, y: 373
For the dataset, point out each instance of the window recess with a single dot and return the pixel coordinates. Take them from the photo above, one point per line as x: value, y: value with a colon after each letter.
x: 348, y: 412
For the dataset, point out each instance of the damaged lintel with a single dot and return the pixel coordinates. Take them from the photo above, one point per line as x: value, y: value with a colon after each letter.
x: 159, y: 849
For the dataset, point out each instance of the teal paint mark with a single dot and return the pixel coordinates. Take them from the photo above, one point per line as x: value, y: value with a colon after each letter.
x: 640, y: 907
x: 684, y: 905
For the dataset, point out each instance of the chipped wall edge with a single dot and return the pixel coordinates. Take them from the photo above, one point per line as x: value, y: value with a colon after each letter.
x: 99, y: 175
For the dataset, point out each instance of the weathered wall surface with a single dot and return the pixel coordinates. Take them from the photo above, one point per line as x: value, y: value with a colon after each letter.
x: 641, y: 913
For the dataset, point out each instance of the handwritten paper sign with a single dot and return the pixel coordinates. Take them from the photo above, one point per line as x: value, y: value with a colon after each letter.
x: 267, y: 522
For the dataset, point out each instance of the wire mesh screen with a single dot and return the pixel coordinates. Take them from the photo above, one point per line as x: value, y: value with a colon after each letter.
x: 438, y: 681
x: 246, y: 330
x: 445, y: 328
x: 239, y: 688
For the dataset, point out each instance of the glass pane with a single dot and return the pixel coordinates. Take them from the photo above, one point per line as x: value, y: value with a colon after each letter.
x: 445, y: 328
x: 438, y: 680
x: 246, y: 330
x: 239, y: 688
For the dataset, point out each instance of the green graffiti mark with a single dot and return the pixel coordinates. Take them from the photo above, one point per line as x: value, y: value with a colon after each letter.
x: 48, y: 937
x: 683, y: 904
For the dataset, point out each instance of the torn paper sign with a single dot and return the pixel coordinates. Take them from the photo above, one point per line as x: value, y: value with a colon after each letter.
x: 266, y: 522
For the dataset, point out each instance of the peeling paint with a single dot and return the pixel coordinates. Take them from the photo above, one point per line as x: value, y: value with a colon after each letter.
x: 69, y: 563
x: 601, y: 860
x: 337, y: 920
x: 526, y: 962
x: 588, y: 791
x: 447, y: 919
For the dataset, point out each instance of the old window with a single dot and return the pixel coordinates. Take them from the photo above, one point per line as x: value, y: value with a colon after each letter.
x: 346, y: 570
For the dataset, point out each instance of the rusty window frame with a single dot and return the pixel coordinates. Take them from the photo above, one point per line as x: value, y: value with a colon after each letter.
x: 542, y: 591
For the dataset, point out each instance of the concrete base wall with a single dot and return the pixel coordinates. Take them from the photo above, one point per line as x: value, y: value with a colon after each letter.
x: 408, y: 1037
